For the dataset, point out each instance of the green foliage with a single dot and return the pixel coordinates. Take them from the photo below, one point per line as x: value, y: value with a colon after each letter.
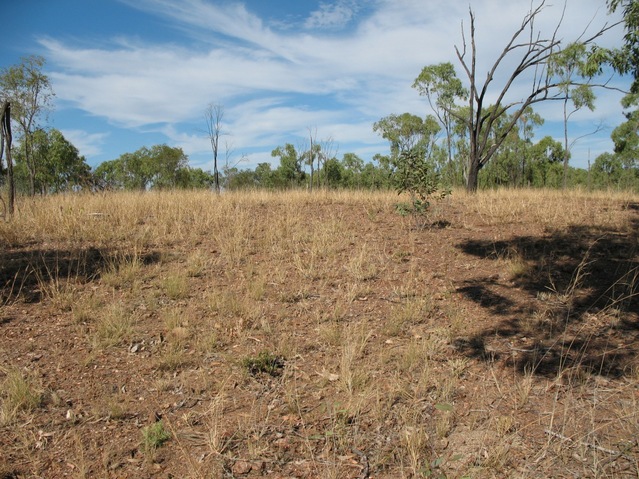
x: 59, y: 164
x: 154, y: 436
x: 626, y: 59
x: 415, y: 176
x: 289, y: 173
x: 29, y: 91
x: 264, y: 362
x: 408, y: 133
x: 410, y: 166
x: 439, y: 83
x: 160, y: 167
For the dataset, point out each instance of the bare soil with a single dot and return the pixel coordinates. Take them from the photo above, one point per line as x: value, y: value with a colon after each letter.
x: 466, y: 346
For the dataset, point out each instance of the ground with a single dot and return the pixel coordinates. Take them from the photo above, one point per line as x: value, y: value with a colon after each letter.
x: 320, y: 334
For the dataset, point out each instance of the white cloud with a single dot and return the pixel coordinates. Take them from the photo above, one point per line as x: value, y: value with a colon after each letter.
x: 331, y: 15
x: 273, y: 83
x: 88, y: 144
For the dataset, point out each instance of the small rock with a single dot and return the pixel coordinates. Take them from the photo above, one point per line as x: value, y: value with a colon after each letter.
x: 241, y: 468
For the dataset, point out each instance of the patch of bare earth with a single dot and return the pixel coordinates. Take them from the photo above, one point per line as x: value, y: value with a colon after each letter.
x: 320, y: 335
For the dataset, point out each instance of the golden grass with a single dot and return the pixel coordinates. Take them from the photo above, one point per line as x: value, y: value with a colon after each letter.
x: 366, y: 312
x: 19, y: 393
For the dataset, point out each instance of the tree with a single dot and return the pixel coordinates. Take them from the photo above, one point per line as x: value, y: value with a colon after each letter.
x: 63, y: 167
x: 240, y: 179
x: 535, y: 52
x: 309, y: 157
x: 443, y: 80
x: 6, y: 139
x: 165, y: 165
x: 109, y: 175
x: 30, y: 94
x: 289, y: 173
x: 333, y: 172
x: 527, y: 121
x: 626, y: 59
x: 311, y: 154
x: 195, y: 178
x: 353, y: 166
x: 264, y: 175
x: 160, y: 166
x: 408, y: 133
x: 214, y: 115
x: 565, y: 65
x: 545, y: 159
x: 607, y: 170
x: 626, y: 140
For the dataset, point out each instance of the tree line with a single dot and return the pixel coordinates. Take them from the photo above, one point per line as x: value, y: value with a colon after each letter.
x: 463, y: 142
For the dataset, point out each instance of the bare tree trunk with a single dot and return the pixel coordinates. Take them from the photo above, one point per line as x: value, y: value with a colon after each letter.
x: 310, y: 152
x: 473, y: 175
x: 214, y: 115
x: 566, y: 150
x: 5, y: 126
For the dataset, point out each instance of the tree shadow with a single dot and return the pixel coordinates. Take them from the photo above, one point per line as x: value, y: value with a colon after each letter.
x: 579, y: 310
x: 24, y: 271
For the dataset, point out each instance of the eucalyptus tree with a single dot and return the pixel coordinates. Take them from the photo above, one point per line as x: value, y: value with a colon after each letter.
x: 626, y: 59
x: 442, y: 80
x: 289, y: 173
x: 544, y: 163
x: 353, y: 167
x: 526, y: 57
x: 29, y: 91
x: 566, y: 65
x: 526, y: 124
x: 62, y: 168
x: 408, y: 133
x: 626, y: 140
x: 160, y: 167
x: 412, y: 142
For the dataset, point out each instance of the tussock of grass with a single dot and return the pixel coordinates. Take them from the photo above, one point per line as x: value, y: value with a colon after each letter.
x: 19, y: 393
x: 113, y: 327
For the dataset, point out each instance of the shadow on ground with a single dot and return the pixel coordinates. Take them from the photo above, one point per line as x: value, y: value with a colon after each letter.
x: 25, y: 274
x: 570, y: 303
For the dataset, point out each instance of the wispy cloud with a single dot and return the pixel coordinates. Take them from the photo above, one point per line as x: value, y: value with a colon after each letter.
x: 332, y: 15
x: 88, y: 144
x: 276, y: 82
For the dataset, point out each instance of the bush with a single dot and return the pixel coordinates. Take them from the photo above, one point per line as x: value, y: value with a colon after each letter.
x: 415, y: 176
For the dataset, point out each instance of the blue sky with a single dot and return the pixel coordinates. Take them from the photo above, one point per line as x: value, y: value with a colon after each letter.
x: 133, y: 73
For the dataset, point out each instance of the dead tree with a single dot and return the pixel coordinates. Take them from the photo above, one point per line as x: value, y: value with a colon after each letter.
x: 536, y: 54
x: 5, y: 145
x: 214, y: 115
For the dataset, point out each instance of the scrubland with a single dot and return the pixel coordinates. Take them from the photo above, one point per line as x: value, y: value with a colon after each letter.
x: 296, y: 334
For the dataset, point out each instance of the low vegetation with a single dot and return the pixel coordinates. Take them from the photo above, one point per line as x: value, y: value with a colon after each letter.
x: 263, y: 334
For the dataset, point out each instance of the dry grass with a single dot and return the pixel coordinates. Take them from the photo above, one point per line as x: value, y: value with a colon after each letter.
x: 503, y: 345
x: 19, y: 394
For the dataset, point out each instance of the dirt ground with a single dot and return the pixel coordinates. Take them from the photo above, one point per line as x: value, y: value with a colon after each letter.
x: 330, y: 338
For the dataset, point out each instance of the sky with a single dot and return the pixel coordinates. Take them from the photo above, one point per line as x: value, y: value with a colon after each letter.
x: 134, y: 73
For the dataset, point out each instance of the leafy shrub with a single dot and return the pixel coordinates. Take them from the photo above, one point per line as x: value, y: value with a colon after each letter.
x: 416, y: 176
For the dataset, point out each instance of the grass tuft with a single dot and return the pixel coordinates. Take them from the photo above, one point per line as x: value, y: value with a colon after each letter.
x: 19, y: 393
